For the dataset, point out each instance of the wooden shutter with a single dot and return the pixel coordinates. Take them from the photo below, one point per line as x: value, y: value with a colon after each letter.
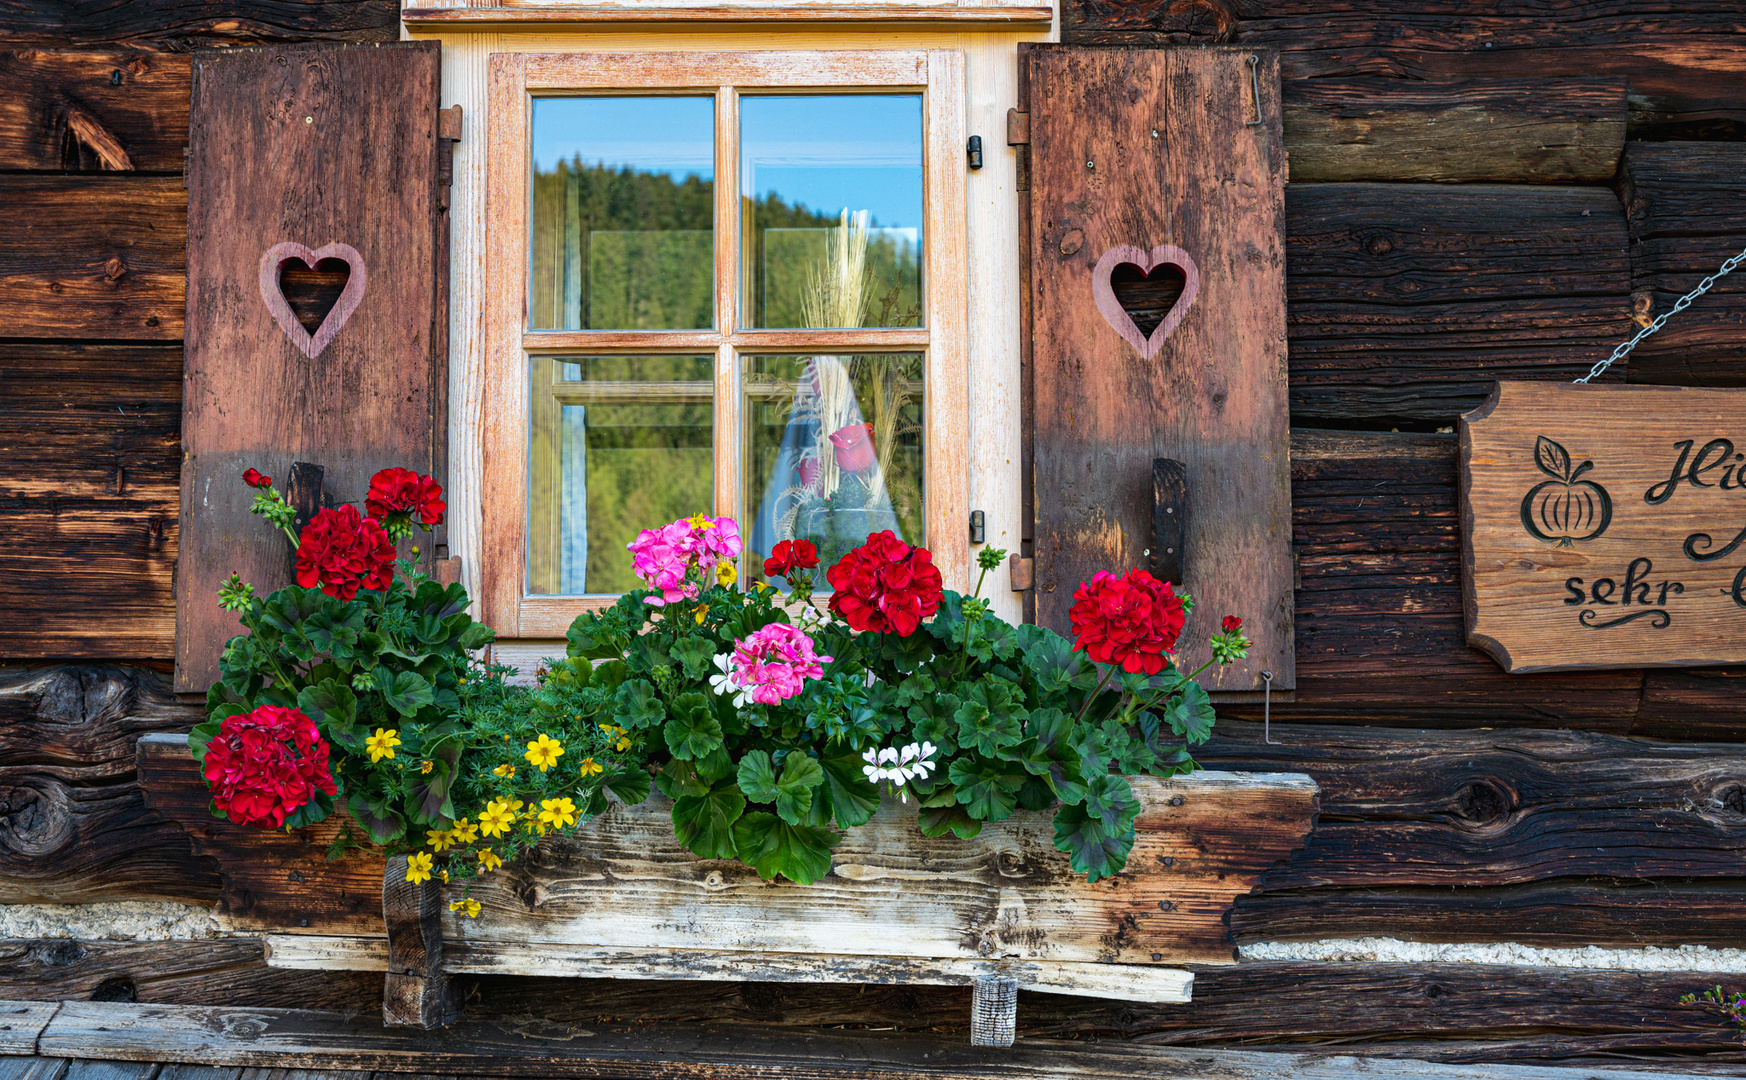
x: 313, y: 145
x: 1171, y: 154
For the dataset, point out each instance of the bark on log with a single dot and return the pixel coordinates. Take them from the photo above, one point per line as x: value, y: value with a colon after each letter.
x: 1682, y: 65
x: 1406, y: 301
x: 1687, y: 215
x: 93, y: 257
x: 90, y: 457
x: 73, y: 824
x: 1543, y: 131
x: 93, y: 111
x: 180, y: 25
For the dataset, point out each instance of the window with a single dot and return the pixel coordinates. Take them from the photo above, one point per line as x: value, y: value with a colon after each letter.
x: 730, y: 282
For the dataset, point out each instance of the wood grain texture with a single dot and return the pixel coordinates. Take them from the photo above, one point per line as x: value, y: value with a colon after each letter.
x: 1598, y: 526
x: 90, y: 455
x: 76, y: 827
x: 1687, y: 216
x: 295, y: 115
x: 93, y: 258
x: 558, y: 17
x: 1135, y: 147
x: 93, y: 111
x: 284, y: 1038
x: 1544, y: 131
x: 20, y: 1023
x: 1678, y: 60
x: 178, y: 25
x: 1405, y: 301
x: 1703, y: 704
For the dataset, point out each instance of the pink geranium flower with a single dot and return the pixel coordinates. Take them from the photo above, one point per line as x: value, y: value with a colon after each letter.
x: 774, y: 663
x: 662, y: 557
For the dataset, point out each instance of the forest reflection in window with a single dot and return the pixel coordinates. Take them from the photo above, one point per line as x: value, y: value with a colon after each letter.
x: 623, y: 213
x: 616, y: 443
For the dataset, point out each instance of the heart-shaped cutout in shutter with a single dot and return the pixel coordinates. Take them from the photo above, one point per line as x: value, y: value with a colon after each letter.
x: 296, y: 283
x: 1143, y: 295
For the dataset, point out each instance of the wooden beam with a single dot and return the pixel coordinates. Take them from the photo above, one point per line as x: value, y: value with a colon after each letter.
x: 283, y: 1038
x: 20, y: 1024
x: 94, y: 258
x: 93, y: 111
x: 177, y: 25
x: 1543, y: 131
x: 550, y: 17
x: 231, y: 970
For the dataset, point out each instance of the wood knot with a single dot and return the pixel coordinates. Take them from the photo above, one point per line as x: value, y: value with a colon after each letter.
x: 114, y: 269
x: 1379, y: 245
x: 1072, y: 241
x: 1175, y: 800
x: 1733, y: 798
x: 715, y: 882
x: 1482, y: 802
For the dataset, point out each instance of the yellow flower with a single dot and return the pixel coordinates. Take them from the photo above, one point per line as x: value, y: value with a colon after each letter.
x: 700, y: 521
x: 702, y: 613
x: 381, y: 745
x: 463, y: 832
x: 496, y: 818
x: 557, y: 813
x: 505, y: 771
x: 471, y: 907
x: 418, y: 866
x: 620, y: 737
x: 488, y: 860
x: 726, y: 574
x: 439, y: 839
x: 590, y: 767
x: 426, y: 766
x: 445, y: 875
x: 544, y: 752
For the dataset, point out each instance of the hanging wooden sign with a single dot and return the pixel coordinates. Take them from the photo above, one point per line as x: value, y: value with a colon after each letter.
x: 1605, y: 526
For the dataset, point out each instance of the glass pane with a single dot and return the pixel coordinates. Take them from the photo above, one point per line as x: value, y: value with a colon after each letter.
x: 617, y: 444
x: 623, y: 214
x: 833, y: 451
x: 831, y: 191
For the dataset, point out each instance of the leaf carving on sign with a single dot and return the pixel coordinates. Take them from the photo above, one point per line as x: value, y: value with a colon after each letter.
x: 1565, y: 508
x: 273, y: 263
x: 1103, y: 290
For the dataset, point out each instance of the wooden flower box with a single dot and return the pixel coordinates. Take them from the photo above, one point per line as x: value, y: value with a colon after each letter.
x: 623, y: 899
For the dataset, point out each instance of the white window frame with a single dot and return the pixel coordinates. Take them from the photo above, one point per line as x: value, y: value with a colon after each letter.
x: 515, y: 78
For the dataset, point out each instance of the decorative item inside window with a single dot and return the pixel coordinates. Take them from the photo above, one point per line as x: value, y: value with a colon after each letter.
x: 623, y: 238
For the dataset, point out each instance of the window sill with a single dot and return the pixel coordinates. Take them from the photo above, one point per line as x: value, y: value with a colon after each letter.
x: 556, y: 17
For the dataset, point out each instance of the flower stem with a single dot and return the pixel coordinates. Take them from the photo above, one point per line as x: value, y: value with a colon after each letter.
x: 1083, y: 709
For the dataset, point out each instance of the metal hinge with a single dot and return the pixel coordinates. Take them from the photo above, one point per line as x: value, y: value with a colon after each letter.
x: 1024, y: 573
x: 448, y: 134
x: 1018, y: 128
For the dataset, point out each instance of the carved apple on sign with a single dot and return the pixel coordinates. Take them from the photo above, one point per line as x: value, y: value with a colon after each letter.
x: 1565, y: 508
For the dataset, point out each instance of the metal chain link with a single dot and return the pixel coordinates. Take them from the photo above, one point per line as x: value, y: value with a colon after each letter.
x: 1684, y: 302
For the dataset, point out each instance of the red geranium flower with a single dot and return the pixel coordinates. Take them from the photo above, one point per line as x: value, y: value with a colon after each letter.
x: 255, y: 479
x: 1132, y: 620
x: 398, y: 495
x: 264, y: 765
x: 1231, y: 625
x: 341, y: 551
x: 789, y: 556
x: 854, y: 447
x: 885, y: 586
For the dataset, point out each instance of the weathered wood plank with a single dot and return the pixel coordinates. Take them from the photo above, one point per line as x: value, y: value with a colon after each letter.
x: 175, y: 973
x: 99, y: 571
x: 88, y: 1069
x: 1488, y: 808
x: 1693, y: 705
x: 1543, y: 131
x: 530, y: 1047
x: 1687, y: 215
x: 93, y: 257
x: 33, y: 1068
x: 1124, y: 982
x: 1141, y: 161
x: 1406, y: 301
x: 179, y: 25
x: 20, y: 1024
x: 1379, y: 625
x: 1679, y: 62
x: 93, y: 111
x: 78, y: 828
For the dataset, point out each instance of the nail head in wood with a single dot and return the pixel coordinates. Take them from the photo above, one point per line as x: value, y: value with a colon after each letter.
x: 993, y: 1010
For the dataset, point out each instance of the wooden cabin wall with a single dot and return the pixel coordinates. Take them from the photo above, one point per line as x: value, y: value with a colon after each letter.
x: 1471, y: 197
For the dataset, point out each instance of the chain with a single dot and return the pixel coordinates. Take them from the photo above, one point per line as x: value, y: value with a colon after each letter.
x: 1684, y: 302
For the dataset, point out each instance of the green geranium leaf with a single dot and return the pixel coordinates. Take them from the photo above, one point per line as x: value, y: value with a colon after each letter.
x: 384, y: 824
x: 203, y: 734
x: 696, y: 654
x: 680, y: 778
x: 1092, y: 848
x: 335, y: 629
x: 692, y: 731
x: 590, y: 638
x: 1035, y: 795
x: 757, y: 777
x: 638, y: 705
x: 1050, y: 755
x: 846, y: 795
x: 476, y: 636
x: 986, y: 790
x: 1110, y: 801
x: 630, y: 784
x: 940, y: 820
x: 991, y: 717
x: 715, y: 764
x: 914, y: 688
x: 316, y: 809
x: 792, y: 792
x: 334, y: 708
x: 771, y: 846
x: 1191, y: 715
x: 1048, y: 659
x: 405, y: 692
x: 705, y: 823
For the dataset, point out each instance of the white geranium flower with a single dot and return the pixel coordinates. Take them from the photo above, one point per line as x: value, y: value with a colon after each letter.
x: 915, y: 761
x: 723, y: 682
x: 872, y: 769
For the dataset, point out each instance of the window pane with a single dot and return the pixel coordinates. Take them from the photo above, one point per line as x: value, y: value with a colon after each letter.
x: 623, y: 213
x: 616, y: 445
x: 831, y: 187
x: 833, y: 451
